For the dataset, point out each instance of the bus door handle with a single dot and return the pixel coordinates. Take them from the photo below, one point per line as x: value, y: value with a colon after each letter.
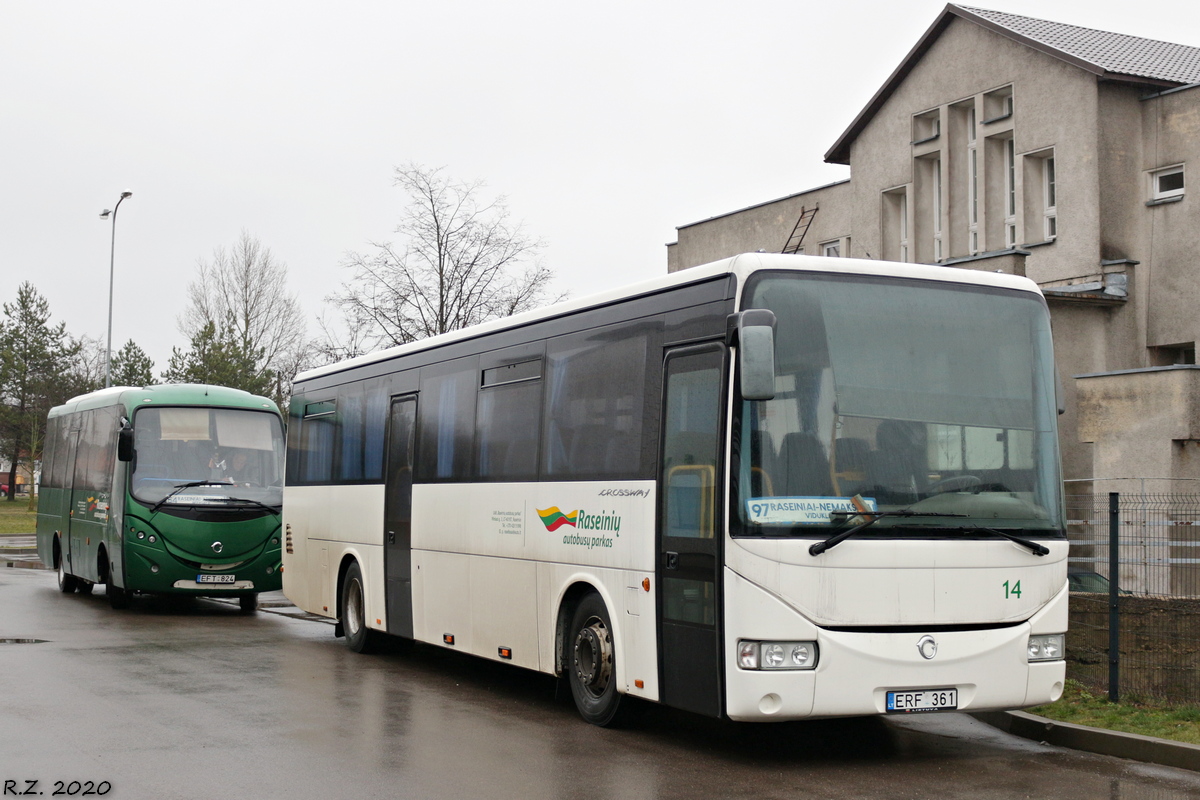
x: 672, y: 560
x: 391, y: 537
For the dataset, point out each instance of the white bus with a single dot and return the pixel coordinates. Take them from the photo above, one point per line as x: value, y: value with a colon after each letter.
x: 768, y: 488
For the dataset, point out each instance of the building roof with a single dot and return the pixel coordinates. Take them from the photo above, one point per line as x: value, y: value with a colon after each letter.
x: 1109, y: 56
x: 1114, y: 53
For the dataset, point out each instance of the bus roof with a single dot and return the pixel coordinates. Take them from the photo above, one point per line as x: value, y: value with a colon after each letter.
x: 167, y: 394
x: 740, y: 266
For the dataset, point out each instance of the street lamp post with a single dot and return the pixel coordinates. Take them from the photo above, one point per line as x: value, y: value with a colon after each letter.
x: 111, y: 255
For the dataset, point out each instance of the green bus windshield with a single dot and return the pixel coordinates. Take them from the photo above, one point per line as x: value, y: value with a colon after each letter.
x: 235, y: 454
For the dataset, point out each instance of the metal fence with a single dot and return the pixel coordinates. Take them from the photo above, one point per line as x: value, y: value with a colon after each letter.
x: 1134, y: 568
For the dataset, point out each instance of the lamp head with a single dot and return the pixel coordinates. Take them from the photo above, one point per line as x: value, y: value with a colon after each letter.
x: 104, y: 214
x: 126, y: 194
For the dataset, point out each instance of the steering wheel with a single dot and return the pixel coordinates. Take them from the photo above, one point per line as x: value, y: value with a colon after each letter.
x: 955, y: 483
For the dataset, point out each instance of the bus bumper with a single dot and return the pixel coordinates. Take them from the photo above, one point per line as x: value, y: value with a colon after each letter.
x: 988, y: 669
x: 260, y: 574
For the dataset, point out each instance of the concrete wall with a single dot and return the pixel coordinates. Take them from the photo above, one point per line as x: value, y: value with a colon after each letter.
x: 763, y: 227
x: 1140, y: 423
x: 1055, y: 105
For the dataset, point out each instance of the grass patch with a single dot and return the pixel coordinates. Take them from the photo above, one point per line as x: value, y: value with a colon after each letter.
x: 1082, y: 707
x: 15, y: 516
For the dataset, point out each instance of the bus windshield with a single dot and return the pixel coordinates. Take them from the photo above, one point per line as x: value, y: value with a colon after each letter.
x: 895, y: 395
x: 234, y: 457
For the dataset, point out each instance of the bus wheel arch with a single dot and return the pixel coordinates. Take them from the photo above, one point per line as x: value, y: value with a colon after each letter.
x: 587, y: 656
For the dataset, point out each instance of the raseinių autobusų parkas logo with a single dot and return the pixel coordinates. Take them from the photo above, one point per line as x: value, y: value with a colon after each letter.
x: 590, y: 530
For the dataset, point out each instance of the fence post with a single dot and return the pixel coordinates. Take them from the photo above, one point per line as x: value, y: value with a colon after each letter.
x: 1114, y: 611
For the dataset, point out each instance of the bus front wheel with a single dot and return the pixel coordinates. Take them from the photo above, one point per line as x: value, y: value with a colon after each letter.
x: 118, y: 598
x: 67, y: 583
x: 359, y: 638
x: 248, y: 602
x: 590, y: 666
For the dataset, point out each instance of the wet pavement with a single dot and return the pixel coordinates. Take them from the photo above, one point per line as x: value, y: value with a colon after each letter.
x: 195, y: 699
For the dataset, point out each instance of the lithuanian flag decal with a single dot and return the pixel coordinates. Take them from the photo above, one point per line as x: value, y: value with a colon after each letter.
x: 553, y: 518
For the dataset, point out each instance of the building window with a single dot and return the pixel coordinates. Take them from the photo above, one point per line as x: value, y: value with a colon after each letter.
x: 998, y: 105
x: 1050, y: 194
x: 895, y: 224
x: 937, y: 210
x: 1173, y: 354
x: 972, y: 182
x: 927, y: 126
x: 832, y: 249
x: 1010, y: 193
x: 1165, y: 183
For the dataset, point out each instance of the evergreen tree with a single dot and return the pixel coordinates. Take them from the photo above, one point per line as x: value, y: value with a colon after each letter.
x: 37, y: 371
x: 131, y: 366
x: 219, y: 358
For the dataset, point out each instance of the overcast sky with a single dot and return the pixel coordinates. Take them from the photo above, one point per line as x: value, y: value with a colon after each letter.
x: 606, y: 127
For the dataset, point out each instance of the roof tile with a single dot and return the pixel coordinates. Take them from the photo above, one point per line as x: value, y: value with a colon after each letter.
x: 1113, y: 52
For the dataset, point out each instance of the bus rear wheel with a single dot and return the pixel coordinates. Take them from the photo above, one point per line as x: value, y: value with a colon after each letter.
x: 590, y: 665
x: 359, y: 638
x: 67, y: 583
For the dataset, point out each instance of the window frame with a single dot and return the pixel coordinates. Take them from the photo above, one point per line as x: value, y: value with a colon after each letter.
x: 1162, y: 172
x: 1049, y: 198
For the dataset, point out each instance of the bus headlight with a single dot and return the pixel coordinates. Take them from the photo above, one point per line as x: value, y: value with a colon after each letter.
x: 777, y: 655
x: 1048, y: 647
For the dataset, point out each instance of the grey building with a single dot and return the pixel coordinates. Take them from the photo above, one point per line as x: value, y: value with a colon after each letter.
x: 1048, y: 150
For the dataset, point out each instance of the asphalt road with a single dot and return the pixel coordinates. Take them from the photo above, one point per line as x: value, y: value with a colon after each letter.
x: 196, y: 700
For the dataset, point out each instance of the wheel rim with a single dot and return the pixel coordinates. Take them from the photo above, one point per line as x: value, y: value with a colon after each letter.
x: 593, y: 656
x: 354, y: 608
x: 62, y: 575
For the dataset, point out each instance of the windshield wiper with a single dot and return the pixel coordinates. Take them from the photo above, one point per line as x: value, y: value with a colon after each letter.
x: 273, y: 509
x: 189, y: 485
x: 1037, y: 549
x: 872, y: 517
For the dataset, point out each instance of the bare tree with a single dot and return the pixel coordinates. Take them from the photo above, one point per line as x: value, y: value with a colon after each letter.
x: 242, y: 293
x: 462, y: 261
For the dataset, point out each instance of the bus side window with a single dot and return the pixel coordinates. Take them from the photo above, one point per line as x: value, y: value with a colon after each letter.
x: 596, y: 399
x: 446, y: 413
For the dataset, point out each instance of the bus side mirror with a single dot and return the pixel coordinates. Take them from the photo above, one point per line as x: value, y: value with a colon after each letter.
x: 754, y: 331
x: 125, y: 444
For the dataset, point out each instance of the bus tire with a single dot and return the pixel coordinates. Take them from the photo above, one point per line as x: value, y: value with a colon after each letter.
x: 248, y: 603
x: 353, y: 613
x: 591, y: 668
x: 118, y: 598
x: 67, y: 583
x: 85, y: 587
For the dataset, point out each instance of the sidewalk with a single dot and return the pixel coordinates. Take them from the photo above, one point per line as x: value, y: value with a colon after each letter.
x: 19, y: 550
x: 1095, y: 740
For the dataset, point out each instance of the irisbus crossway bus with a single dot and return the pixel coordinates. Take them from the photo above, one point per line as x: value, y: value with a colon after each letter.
x: 772, y: 487
x: 172, y: 489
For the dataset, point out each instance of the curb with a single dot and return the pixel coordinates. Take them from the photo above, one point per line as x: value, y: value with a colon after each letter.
x: 21, y: 564
x: 1095, y: 740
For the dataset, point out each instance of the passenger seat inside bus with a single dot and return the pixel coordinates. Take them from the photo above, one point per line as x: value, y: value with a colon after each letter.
x: 803, y: 467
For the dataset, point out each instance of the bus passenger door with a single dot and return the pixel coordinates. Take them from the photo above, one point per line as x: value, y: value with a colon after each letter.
x: 688, y: 530
x: 397, y: 515
x: 67, y: 506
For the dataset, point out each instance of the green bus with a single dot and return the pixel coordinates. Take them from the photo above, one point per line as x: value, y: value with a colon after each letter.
x: 172, y: 489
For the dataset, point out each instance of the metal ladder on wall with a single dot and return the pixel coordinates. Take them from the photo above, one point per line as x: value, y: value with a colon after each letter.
x: 795, y: 242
